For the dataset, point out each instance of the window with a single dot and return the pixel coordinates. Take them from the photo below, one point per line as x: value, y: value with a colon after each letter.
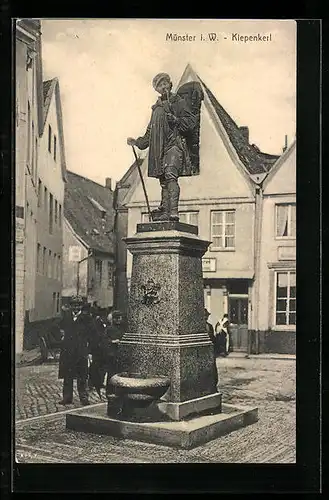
x: 109, y: 275
x: 56, y: 211
x: 285, y: 310
x: 54, y: 267
x: 54, y: 302
x: 44, y: 260
x: 285, y: 220
x: 51, y: 201
x: 45, y: 199
x: 59, y: 268
x: 39, y: 192
x: 28, y: 159
x: 32, y: 159
x: 38, y: 257
x: 98, y: 270
x: 49, y: 138
x: 55, y: 145
x: 223, y: 229
x: 189, y: 218
x: 50, y: 262
x: 60, y: 215
x: 36, y: 156
x: 186, y: 217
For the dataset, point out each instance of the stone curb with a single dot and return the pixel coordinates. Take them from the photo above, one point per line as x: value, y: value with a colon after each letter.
x: 263, y: 356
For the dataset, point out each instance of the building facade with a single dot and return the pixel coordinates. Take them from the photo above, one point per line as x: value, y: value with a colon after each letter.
x: 51, y: 182
x: 275, y: 320
x: 40, y: 178
x: 28, y: 127
x: 225, y: 200
x: 89, y: 243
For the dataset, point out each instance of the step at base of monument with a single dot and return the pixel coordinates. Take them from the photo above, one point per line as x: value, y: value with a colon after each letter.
x: 184, y: 434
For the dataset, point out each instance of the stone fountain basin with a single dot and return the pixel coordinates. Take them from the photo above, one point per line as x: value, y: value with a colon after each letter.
x: 137, y: 386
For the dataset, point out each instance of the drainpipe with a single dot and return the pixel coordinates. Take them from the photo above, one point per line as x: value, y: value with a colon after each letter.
x: 258, y: 232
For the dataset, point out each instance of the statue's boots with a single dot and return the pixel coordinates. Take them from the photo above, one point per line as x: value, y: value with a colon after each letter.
x: 173, y: 190
x: 162, y: 212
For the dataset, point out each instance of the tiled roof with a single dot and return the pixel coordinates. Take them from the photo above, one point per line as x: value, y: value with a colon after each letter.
x: 84, y: 216
x: 255, y: 161
x: 48, y: 87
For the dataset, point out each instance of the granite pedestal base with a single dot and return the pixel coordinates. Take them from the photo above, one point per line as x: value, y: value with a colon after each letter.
x: 179, y: 411
x: 185, y: 434
x: 166, y: 326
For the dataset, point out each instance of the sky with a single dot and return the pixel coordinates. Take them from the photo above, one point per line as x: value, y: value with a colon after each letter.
x: 105, y: 69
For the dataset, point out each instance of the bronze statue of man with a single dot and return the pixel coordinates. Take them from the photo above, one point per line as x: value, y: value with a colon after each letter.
x: 171, y: 125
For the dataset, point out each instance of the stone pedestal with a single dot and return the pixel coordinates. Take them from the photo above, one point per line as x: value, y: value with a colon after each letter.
x: 167, y: 337
x: 166, y: 326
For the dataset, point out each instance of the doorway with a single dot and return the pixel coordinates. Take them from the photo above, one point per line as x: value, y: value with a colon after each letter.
x: 238, y: 316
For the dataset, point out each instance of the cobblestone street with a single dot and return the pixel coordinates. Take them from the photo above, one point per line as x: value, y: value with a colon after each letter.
x: 268, y: 384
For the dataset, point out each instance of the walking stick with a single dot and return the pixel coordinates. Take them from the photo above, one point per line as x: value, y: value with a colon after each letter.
x: 143, y: 184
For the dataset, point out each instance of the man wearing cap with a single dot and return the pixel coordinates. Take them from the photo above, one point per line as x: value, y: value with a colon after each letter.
x: 171, y: 119
x: 73, y: 361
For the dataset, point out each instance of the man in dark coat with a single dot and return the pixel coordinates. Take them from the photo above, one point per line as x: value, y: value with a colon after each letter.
x: 171, y: 119
x: 73, y: 361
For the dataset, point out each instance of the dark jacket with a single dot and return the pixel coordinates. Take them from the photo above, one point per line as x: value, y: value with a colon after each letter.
x: 75, y: 346
x: 162, y: 133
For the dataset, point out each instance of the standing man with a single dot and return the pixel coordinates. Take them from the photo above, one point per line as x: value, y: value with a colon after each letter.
x: 73, y: 361
x: 170, y: 122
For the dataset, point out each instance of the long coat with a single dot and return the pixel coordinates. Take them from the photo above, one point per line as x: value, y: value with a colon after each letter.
x: 162, y: 133
x: 75, y: 346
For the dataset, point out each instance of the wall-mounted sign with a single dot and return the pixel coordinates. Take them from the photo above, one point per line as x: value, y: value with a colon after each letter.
x: 74, y: 253
x: 287, y: 253
x: 208, y: 265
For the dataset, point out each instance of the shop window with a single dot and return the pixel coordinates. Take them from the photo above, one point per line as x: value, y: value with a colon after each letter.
x: 223, y: 229
x: 285, y: 220
x: 285, y: 307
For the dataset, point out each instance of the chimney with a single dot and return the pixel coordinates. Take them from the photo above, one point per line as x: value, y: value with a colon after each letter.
x: 108, y: 183
x: 285, y: 143
x: 245, y: 132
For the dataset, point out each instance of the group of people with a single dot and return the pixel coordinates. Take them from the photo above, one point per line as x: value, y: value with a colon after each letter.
x: 220, y: 336
x: 88, y: 349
